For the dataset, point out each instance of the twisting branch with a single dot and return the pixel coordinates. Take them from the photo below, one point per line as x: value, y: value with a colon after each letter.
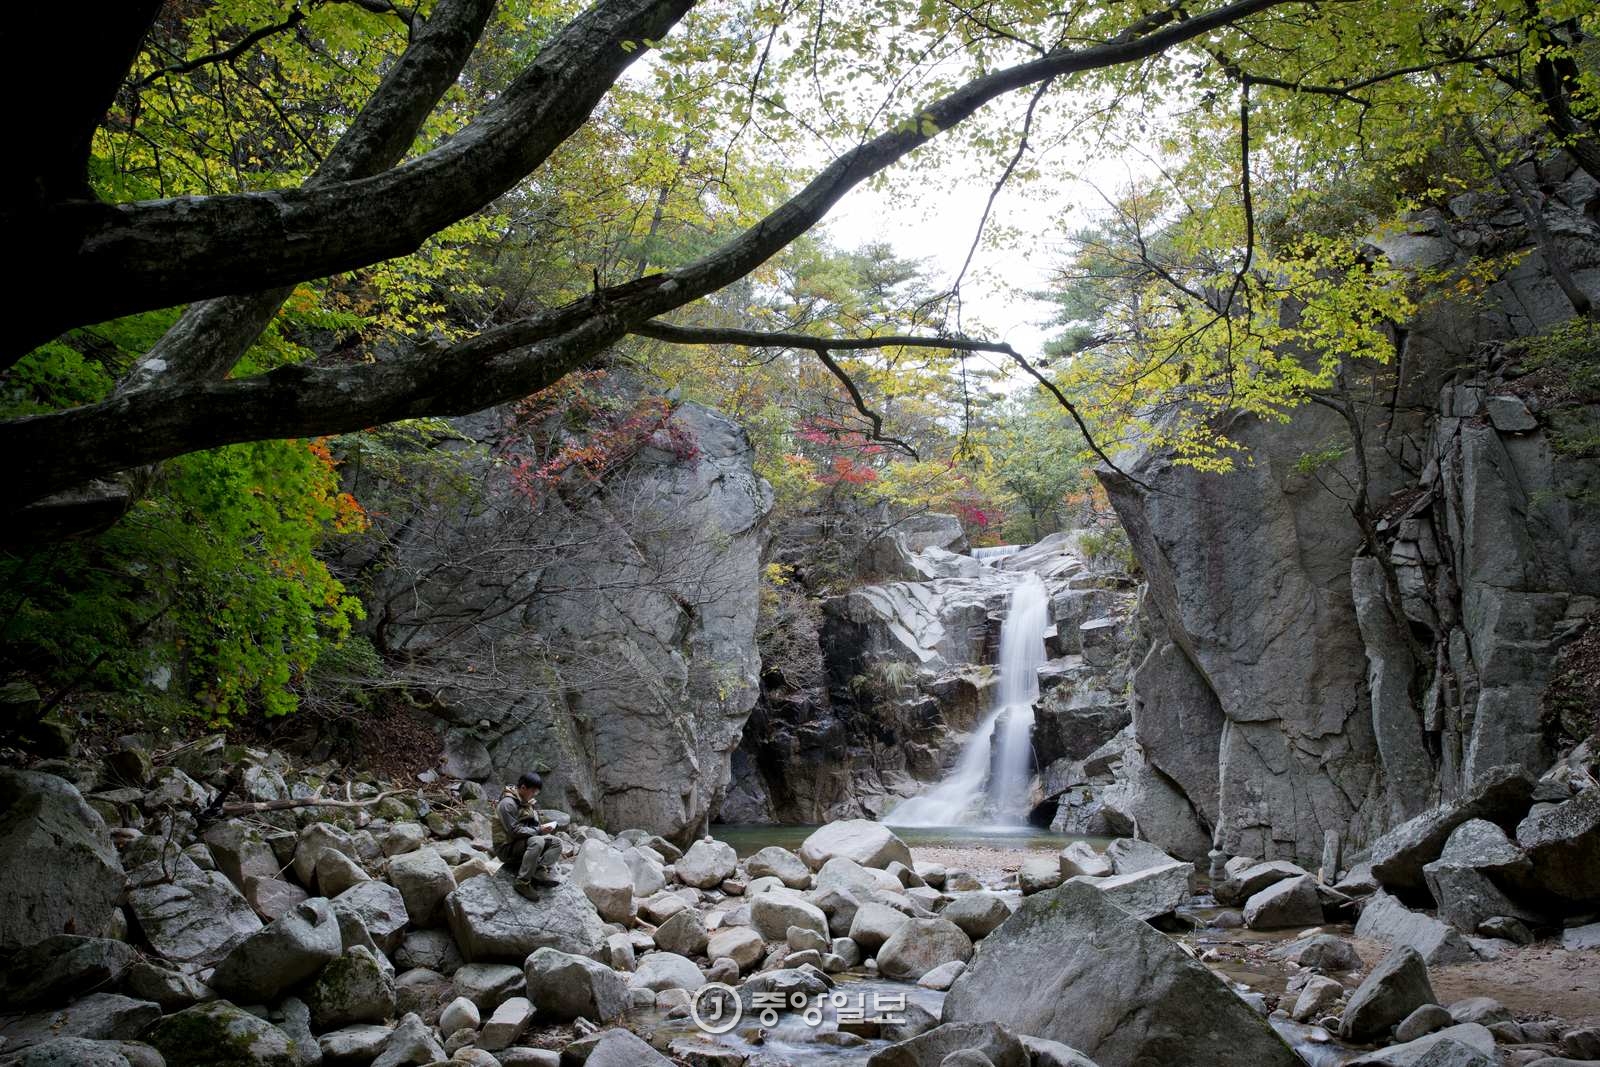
x: 1000, y: 183
x: 1071, y: 409
x: 256, y: 36
x: 817, y: 346
x: 696, y: 335
x: 1245, y: 195
x: 225, y: 55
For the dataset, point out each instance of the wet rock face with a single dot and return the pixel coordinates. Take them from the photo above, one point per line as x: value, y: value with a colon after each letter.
x: 624, y: 629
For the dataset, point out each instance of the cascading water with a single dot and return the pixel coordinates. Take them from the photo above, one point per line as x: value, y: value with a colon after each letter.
x: 999, y: 753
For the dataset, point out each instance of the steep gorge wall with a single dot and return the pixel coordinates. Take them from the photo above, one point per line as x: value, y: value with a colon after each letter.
x: 605, y: 637
x: 1277, y: 648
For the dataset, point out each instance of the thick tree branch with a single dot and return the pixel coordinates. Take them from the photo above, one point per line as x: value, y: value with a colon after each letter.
x: 212, y: 335
x: 56, y: 451
x: 717, y: 335
x: 822, y: 348
x: 1077, y: 418
x: 124, y: 258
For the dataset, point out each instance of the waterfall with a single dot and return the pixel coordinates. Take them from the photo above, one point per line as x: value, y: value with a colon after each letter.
x: 994, y: 553
x: 999, y: 753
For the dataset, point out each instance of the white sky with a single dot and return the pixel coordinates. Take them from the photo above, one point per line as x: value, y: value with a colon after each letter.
x: 938, y: 226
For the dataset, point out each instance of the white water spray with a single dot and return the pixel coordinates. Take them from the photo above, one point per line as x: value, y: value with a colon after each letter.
x: 999, y: 753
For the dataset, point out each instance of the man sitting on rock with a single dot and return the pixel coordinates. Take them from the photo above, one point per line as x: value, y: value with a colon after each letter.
x: 521, y: 841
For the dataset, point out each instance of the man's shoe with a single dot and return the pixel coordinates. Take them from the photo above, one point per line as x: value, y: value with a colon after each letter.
x: 544, y: 878
x: 524, y: 888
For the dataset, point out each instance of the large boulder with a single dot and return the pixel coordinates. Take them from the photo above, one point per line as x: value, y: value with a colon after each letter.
x: 874, y: 923
x: 566, y: 986
x: 1291, y: 902
x: 1081, y: 858
x: 919, y: 946
x: 773, y: 912
x: 355, y: 988
x: 684, y: 933
x: 1397, y: 986
x: 1468, y: 898
x: 864, y: 883
x: 776, y: 862
x: 424, y: 880
x: 192, y: 918
x: 63, y: 966
x: 240, y: 851
x: 1071, y: 966
x: 977, y: 912
x: 998, y: 1045
x: 85, y: 1052
x: 868, y: 843
x: 412, y: 1042
x: 378, y: 907
x: 1563, y: 844
x: 492, y: 921
x: 98, y: 1016
x: 623, y: 1048
x: 1502, y: 797
x: 314, y: 840
x: 660, y: 971
x: 605, y: 879
x: 219, y: 1034
x: 646, y: 870
x: 58, y: 870
x: 290, y: 950
x: 1384, y: 918
x: 1147, y: 893
x: 740, y: 944
x: 1464, y: 1045
x: 706, y: 864
x: 1466, y: 878
x: 1252, y: 879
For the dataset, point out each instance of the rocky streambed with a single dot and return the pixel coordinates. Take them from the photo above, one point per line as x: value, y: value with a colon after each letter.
x: 225, y: 907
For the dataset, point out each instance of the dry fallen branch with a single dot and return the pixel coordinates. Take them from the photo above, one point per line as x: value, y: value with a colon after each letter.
x: 254, y: 806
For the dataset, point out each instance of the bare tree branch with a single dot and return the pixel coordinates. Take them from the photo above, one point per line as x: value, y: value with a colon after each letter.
x: 224, y: 55
x: 690, y: 335
x: 1000, y: 183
